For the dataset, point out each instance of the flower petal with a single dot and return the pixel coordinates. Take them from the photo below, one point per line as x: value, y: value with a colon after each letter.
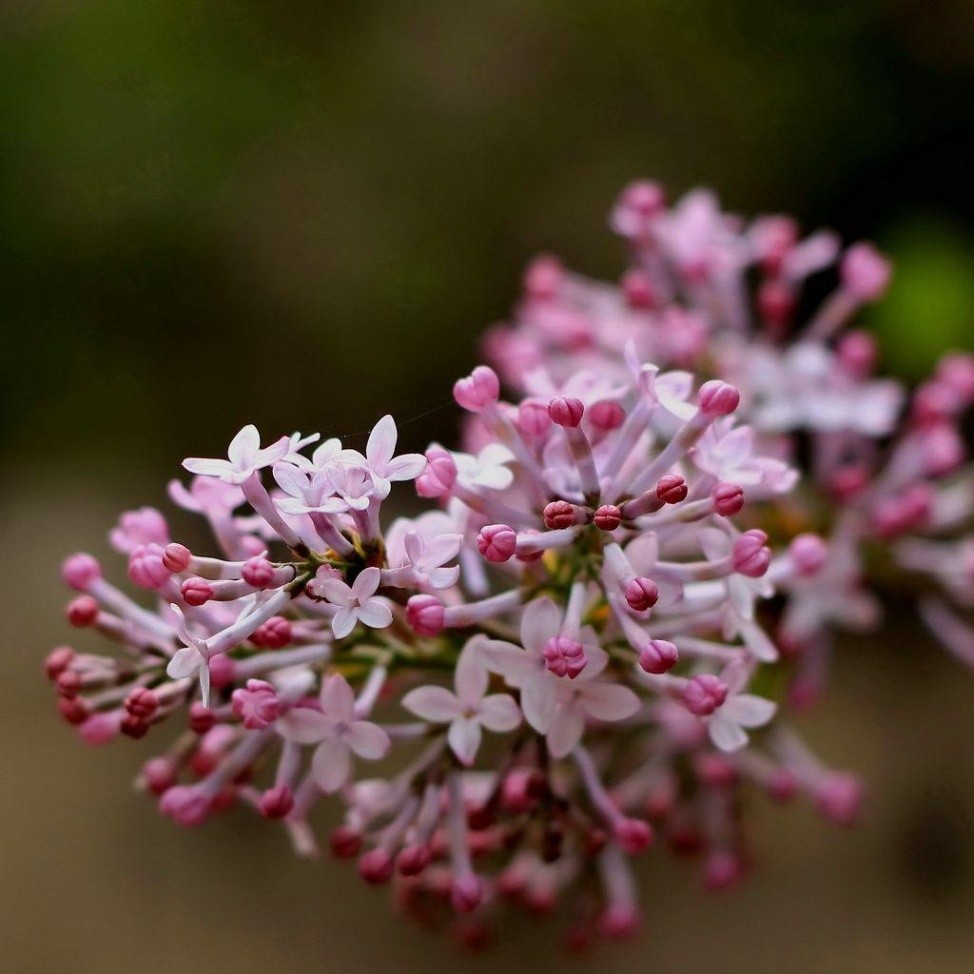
x: 749, y: 710
x: 727, y: 735
x: 367, y: 740
x: 541, y: 621
x: 303, y: 725
x: 567, y: 727
x: 436, y: 704
x: 244, y: 446
x: 464, y: 739
x: 609, y: 701
x: 382, y: 444
x: 375, y: 614
x: 470, y: 677
x: 337, y: 699
x: 185, y: 662
x: 499, y: 713
x: 331, y: 764
x: 344, y: 622
x: 366, y: 584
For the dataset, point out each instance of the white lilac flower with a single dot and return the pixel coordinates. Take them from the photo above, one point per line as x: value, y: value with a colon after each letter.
x: 244, y: 457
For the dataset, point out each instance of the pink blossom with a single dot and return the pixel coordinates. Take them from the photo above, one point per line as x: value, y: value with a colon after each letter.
x: 357, y: 603
x: 244, y: 457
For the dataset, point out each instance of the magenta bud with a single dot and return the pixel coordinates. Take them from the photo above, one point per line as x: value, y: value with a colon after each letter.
x: 606, y: 416
x: 497, y: 542
x: 715, y: 770
x: 276, y: 633
x: 728, y: 499
x: 721, y: 871
x: 943, y: 450
x: 641, y: 594
x: 808, y: 553
x: 478, y: 390
x: 222, y: 671
x: 68, y: 684
x: 718, y: 398
x: 256, y: 705
x: 956, y: 371
x: 658, y: 656
x: 185, y: 805
x: 345, y: 842
x: 857, y: 352
x: 533, y: 420
x: 276, y: 802
x: 80, y: 570
x: 608, y: 517
x: 543, y: 277
x: 564, y: 656
x: 258, y: 572
x: 176, y: 557
x: 159, y: 775
x: 74, y: 710
x: 466, y: 893
x: 413, y: 859
x: 865, y: 272
x: 620, y: 921
x: 196, y: 591
x: 142, y: 703
x: 440, y: 475
x: 633, y: 835
x: 147, y: 567
x: 425, y: 615
x: 776, y: 303
x: 750, y: 555
x: 566, y: 411
x: 559, y: 514
x: 375, y: 867
x: 671, y: 489
x: 58, y: 660
x: 638, y: 290
x: 134, y: 727
x: 703, y: 694
x: 782, y: 785
x: 201, y: 719
x: 82, y: 611
x: 838, y: 797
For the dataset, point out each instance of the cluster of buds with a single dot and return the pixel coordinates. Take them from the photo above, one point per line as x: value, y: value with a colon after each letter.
x: 573, y: 655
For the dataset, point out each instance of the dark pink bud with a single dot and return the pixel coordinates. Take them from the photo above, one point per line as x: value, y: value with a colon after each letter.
x: 159, y: 775
x: 146, y: 566
x: 176, y: 557
x: 440, y: 475
x: 718, y: 398
x: 865, y: 272
x: 671, y: 489
x: 943, y: 450
x: 715, y: 770
x: 345, y: 842
x: 80, y: 570
x: 274, y: 634
x: 258, y: 572
x: 619, y: 922
x: 559, y: 514
x: 632, y: 834
x: 543, y: 277
x: 658, y: 656
x: 425, y: 615
x: 703, y: 694
x: 750, y: 555
x: 782, y: 785
x: 185, y: 805
x: 466, y: 893
x: 201, y: 719
x: 375, y: 867
x: 808, y: 553
x: 564, y: 656
x: 776, y: 304
x: 134, y: 727
x: 256, y: 704
x: 606, y: 416
x: 728, y: 499
x: 478, y: 390
x: 608, y: 517
x: 196, y: 591
x: 849, y: 482
x: 222, y: 671
x: 142, y: 703
x: 82, y: 611
x: 721, y: 871
x: 68, y: 684
x: 566, y: 411
x: 857, y: 352
x: 276, y: 802
x: 74, y: 710
x: 497, y: 542
x: 641, y: 594
x: 838, y: 797
x: 518, y: 792
x: 58, y: 660
x: 533, y: 420
x: 956, y: 371
x: 638, y: 290
x: 413, y: 859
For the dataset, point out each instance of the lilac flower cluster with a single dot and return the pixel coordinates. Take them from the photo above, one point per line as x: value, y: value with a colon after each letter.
x: 585, y: 641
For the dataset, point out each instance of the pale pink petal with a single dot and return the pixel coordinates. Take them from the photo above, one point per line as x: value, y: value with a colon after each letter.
x: 365, y: 585
x: 184, y: 663
x: 343, y: 622
x: 609, y: 701
x: 541, y: 621
x: 337, y: 699
x: 513, y: 663
x: 440, y: 578
x: 336, y: 591
x: 435, y: 704
x: 749, y: 710
x: 442, y: 548
x: 303, y: 725
x: 406, y: 467
x: 207, y: 468
x: 331, y: 764
x: 382, y: 444
x: 244, y: 446
x: 727, y: 735
x: 470, y: 678
x: 499, y: 713
x: 464, y: 739
x: 567, y: 727
x: 538, y: 699
x: 367, y: 740
x: 375, y: 614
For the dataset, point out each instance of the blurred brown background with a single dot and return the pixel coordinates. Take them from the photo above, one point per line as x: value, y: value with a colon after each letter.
x: 303, y: 214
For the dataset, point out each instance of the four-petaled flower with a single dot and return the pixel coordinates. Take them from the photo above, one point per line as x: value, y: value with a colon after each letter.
x: 356, y: 602
x: 468, y: 710
x: 244, y: 457
x: 739, y: 710
x: 381, y: 463
x: 337, y: 732
x: 193, y: 659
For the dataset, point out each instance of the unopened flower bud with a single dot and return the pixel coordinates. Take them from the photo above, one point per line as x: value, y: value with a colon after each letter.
x: 478, y: 390
x: 718, y: 398
x: 375, y: 867
x: 147, y: 568
x: 641, y: 594
x: 497, y: 542
x: 80, y: 570
x: 728, y: 499
x: 276, y: 802
x: 865, y: 272
x: 276, y: 633
x: 258, y: 572
x: 606, y: 416
x: 671, y: 489
x: 608, y: 517
x: 440, y: 475
x: 808, y: 553
x: 196, y: 591
x: 658, y: 656
x: 176, y: 557
x: 82, y: 611
x: 533, y: 420
x: 564, y: 656
x: 703, y: 694
x: 559, y: 514
x: 566, y: 411
x: 751, y: 556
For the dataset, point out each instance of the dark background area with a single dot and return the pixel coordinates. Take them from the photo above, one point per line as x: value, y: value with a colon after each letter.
x: 304, y: 214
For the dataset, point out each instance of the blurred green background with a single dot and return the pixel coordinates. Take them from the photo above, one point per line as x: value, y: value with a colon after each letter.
x: 303, y: 214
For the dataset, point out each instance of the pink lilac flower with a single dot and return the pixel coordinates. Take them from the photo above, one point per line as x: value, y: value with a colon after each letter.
x: 244, y: 457
x: 357, y: 603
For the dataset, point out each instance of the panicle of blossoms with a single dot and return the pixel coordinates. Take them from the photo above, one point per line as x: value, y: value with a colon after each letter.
x: 562, y: 658
x: 887, y: 477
